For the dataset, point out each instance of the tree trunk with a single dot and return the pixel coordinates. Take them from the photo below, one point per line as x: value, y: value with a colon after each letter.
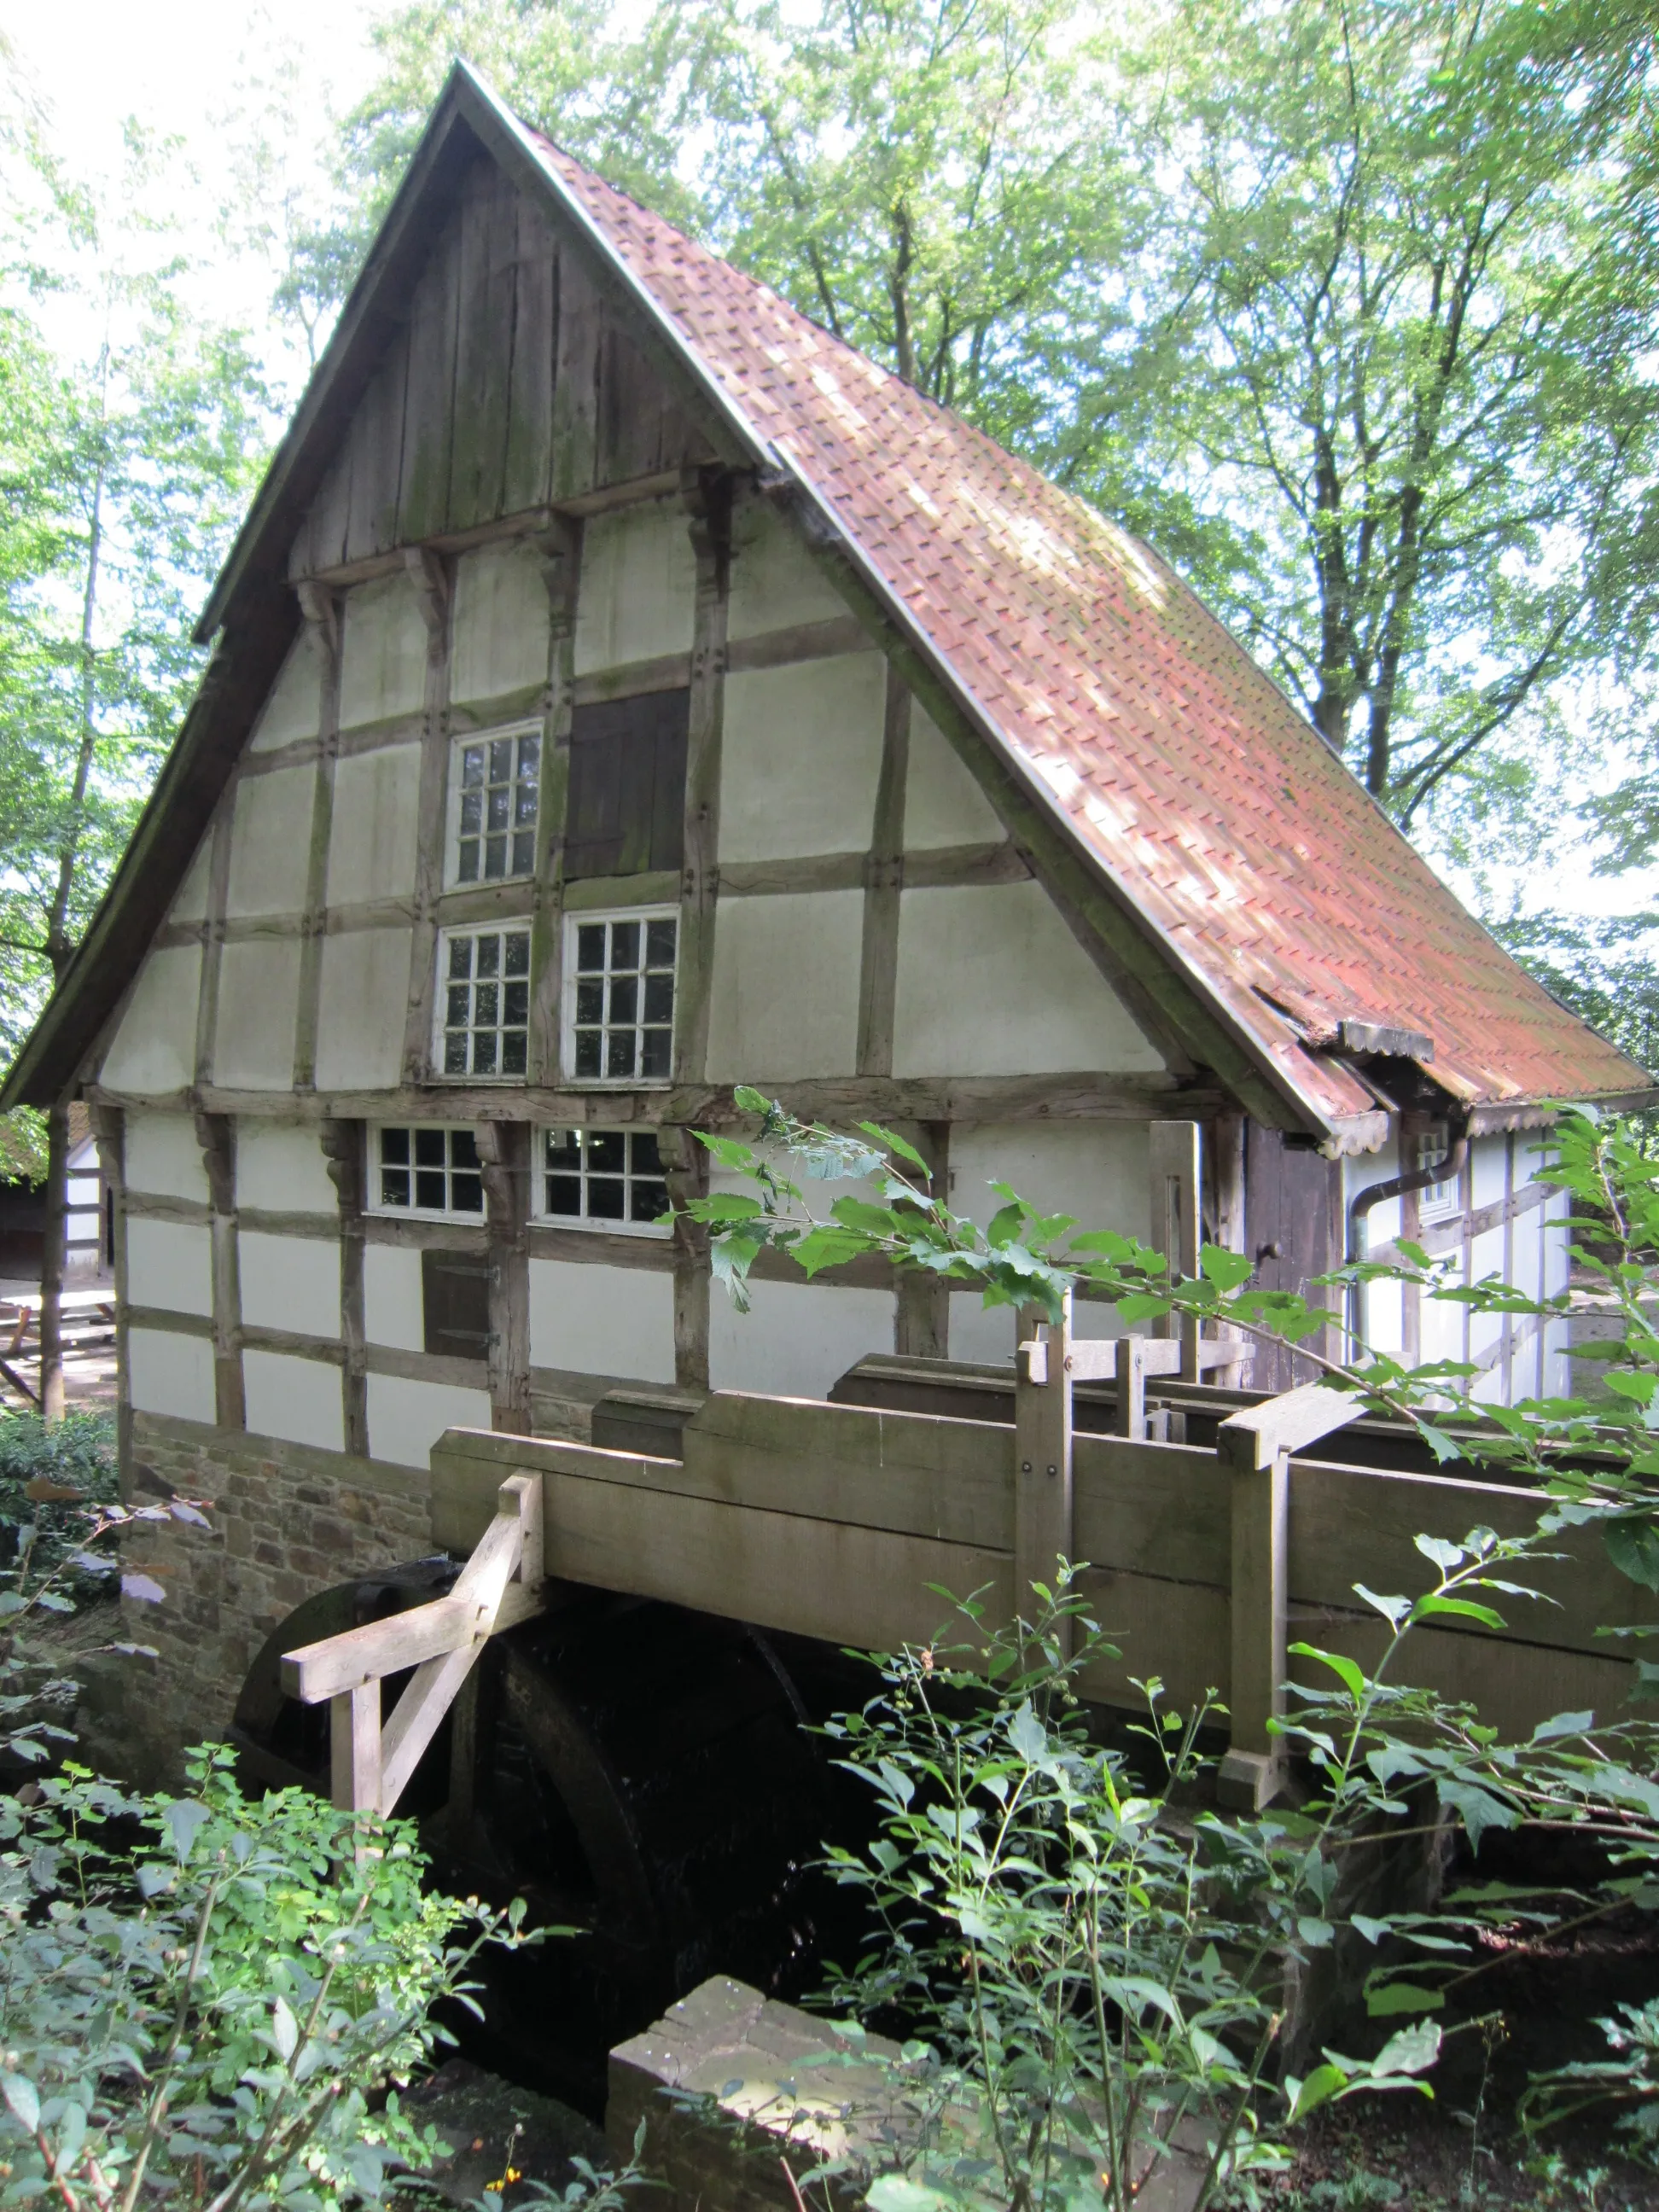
x: 51, y: 1268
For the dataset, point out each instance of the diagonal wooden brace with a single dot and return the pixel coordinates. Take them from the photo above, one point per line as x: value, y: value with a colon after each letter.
x: 502, y: 1583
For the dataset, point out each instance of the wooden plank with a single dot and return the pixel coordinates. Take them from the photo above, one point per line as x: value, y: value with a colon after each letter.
x: 529, y: 394
x: 560, y: 549
x: 215, y: 1134
x: 1176, y: 1177
x: 504, y: 1152
x: 377, y: 435
x: 709, y: 507
x: 922, y: 1305
x: 428, y: 397
x: 1042, y: 1453
x: 842, y: 1583
x: 354, y: 1737
x: 328, y: 521
x: 1150, y: 1508
x: 343, y: 1146
x: 911, y: 1473
x: 435, y: 581
x: 1252, y: 1771
x: 686, y: 1166
x: 1257, y: 1435
x: 580, y: 328
x: 884, y: 877
x: 322, y: 614
x: 207, y: 999
x: 798, y: 642
x: 484, y: 349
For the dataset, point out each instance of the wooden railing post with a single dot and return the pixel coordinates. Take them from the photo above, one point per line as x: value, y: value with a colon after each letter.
x: 1175, y: 1157
x: 1042, y: 1449
x: 1256, y: 1444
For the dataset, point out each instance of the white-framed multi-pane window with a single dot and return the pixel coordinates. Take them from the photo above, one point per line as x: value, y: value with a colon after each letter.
x: 619, y: 972
x: 481, y: 1012
x: 602, y: 1179
x: 494, y: 799
x: 1438, y: 1200
x: 426, y: 1169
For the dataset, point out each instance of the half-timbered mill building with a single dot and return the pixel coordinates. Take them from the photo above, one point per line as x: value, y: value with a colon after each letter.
x: 621, y: 690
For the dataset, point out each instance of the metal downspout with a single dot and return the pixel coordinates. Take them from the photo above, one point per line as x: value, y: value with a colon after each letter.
x: 1374, y: 1193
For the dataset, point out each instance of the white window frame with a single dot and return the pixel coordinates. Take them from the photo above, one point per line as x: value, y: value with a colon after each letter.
x: 590, y: 1224
x: 528, y: 726
x: 510, y: 924
x: 1442, y: 1200
x: 375, y: 1204
x: 573, y: 924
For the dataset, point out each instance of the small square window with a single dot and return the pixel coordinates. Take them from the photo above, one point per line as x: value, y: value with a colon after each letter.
x: 494, y: 802
x: 619, y: 999
x: 427, y: 1169
x: 605, y: 1178
x: 482, y: 1014
x: 1436, y: 1202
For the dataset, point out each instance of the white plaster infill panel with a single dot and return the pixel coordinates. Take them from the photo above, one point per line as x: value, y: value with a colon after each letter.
x: 784, y: 1003
x: 281, y: 1169
x: 153, y: 1048
x: 290, y: 1282
x: 499, y: 629
x: 162, y: 1157
x: 943, y: 804
x: 980, y: 1333
x: 598, y: 1320
x: 298, y: 1402
x: 638, y: 587
x: 190, y: 900
x: 361, y: 1002
x: 270, y: 842
x: 383, y: 653
x: 294, y: 706
x: 1096, y: 1172
x: 800, y: 757
x: 168, y: 1374
x: 258, y: 1012
x: 169, y: 1264
x: 394, y: 1314
x: 797, y: 1339
x: 375, y: 825
x: 775, y: 582
x: 990, y: 981
x: 406, y: 1419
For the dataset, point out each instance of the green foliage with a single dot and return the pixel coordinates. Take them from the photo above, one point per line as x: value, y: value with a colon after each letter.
x: 48, y: 1479
x: 1093, y: 1969
x: 210, y: 2017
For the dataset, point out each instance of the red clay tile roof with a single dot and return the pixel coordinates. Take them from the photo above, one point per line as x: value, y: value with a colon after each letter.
x: 1215, y: 805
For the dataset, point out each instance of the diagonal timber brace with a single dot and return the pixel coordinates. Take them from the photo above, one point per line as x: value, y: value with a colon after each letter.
x: 502, y: 1584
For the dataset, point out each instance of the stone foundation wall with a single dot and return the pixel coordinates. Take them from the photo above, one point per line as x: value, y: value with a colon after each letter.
x: 285, y: 1521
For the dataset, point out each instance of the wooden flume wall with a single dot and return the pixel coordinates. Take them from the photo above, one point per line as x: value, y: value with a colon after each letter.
x: 833, y: 1522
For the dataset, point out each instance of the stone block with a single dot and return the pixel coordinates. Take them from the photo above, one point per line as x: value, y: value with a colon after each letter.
x: 730, y: 2084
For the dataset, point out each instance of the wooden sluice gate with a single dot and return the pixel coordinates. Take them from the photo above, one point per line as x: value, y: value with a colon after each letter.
x: 842, y: 1522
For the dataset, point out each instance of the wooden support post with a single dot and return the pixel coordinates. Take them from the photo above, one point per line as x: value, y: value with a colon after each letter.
x: 922, y: 1305
x: 216, y: 1135
x: 1256, y: 1445
x: 1227, y: 1172
x: 708, y: 496
x: 354, y: 1748
x: 504, y: 1153
x: 1043, y: 1450
x: 343, y: 1143
x: 322, y: 611
x: 1176, y: 1171
x: 1132, y: 1388
x: 109, y: 1133
x: 560, y: 550
x: 432, y: 581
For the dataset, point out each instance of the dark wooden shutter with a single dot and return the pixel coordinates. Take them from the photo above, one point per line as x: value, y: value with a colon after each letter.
x: 625, y: 813
x: 455, y: 1304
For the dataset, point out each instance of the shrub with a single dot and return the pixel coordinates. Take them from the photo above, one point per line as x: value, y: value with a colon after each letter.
x: 48, y: 1477
x: 213, y: 2003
